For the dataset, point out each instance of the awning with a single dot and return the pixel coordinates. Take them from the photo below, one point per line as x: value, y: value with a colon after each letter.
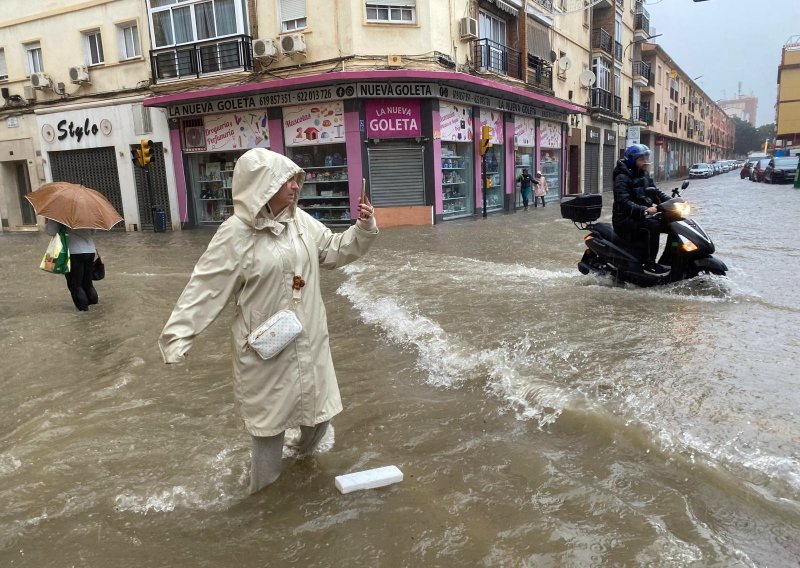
x: 539, y: 40
x: 506, y: 7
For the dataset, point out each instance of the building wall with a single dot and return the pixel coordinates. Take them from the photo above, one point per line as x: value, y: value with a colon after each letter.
x: 788, y: 111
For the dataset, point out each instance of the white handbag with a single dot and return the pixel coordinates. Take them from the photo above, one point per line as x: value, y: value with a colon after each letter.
x: 273, y: 335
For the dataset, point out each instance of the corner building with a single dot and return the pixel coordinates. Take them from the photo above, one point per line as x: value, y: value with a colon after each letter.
x: 393, y: 91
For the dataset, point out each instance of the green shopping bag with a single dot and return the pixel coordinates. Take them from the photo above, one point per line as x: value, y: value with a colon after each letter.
x: 56, y: 257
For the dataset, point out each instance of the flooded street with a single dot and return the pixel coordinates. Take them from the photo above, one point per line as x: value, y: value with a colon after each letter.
x: 541, y: 417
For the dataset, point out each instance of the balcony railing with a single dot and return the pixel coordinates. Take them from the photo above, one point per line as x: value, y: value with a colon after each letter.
x: 540, y: 73
x: 642, y: 114
x: 617, y: 51
x: 641, y: 68
x: 601, y: 98
x: 642, y: 22
x: 498, y: 58
x: 195, y: 59
x: 621, y: 4
x: 546, y: 4
x: 601, y: 39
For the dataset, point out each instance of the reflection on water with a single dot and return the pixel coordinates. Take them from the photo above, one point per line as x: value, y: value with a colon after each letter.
x: 541, y: 417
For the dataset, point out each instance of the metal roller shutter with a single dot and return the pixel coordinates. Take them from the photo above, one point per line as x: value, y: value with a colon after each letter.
x: 397, y: 176
x: 609, y: 161
x: 158, y: 181
x: 96, y: 168
x: 591, y: 172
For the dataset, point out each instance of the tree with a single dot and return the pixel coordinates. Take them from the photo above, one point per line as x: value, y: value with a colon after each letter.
x: 747, y: 137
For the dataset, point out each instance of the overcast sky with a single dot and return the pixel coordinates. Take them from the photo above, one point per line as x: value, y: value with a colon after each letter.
x: 727, y: 41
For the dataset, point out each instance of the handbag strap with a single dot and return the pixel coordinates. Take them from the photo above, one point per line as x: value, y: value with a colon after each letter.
x: 298, y: 283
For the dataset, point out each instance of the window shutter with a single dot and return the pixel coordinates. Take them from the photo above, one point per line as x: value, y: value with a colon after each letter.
x: 3, y: 69
x: 538, y: 40
x: 292, y: 10
x: 394, y: 3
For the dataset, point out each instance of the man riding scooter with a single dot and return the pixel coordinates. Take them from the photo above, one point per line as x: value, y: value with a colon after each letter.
x: 635, y: 200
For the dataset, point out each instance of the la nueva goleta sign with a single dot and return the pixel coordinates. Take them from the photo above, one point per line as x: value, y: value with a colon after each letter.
x: 374, y: 90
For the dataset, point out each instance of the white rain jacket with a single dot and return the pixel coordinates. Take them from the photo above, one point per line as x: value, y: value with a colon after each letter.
x: 252, y: 258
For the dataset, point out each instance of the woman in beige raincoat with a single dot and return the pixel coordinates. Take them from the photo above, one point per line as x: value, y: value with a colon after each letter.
x: 253, y: 257
x: 539, y: 189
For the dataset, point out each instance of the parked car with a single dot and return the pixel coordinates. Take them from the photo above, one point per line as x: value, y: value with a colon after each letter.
x: 747, y: 169
x: 758, y: 169
x: 781, y: 170
x: 716, y: 167
x: 700, y: 171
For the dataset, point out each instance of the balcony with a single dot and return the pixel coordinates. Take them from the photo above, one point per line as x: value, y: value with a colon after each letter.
x: 601, y: 40
x: 621, y: 4
x: 641, y: 23
x: 641, y: 73
x: 232, y: 53
x: 497, y: 58
x: 601, y: 99
x: 540, y: 73
x: 546, y: 4
x: 642, y: 115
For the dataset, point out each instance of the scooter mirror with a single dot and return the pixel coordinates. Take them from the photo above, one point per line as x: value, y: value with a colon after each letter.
x: 685, y: 185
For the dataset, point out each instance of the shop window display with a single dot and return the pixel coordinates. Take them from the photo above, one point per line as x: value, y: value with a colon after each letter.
x: 456, y: 180
x: 494, y: 175
x: 523, y: 160
x: 325, y: 194
x: 211, y: 176
x: 550, y: 157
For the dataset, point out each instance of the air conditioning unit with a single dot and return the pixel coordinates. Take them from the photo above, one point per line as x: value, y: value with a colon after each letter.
x: 294, y: 43
x: 40, y: 81
x: 79, y: 74
x: 264, y: 48
x: 29, y: 93
x: 468, y: 28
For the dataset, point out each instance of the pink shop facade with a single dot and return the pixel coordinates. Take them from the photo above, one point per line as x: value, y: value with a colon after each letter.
x: 413, y: 136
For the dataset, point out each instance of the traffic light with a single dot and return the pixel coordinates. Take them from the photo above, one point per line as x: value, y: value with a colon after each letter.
x: 486, y: 138
x: 135, y: 155
x: 146, y: 152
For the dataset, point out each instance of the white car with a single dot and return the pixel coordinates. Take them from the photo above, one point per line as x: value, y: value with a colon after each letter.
x: 700, y: 171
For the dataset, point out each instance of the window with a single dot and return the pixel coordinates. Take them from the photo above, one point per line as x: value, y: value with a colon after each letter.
x: 129, y: 40
x: 3, y: 68
x: 33, y: 58
x: 659, y: 74
x: 392, y: 11
x: 586, y: 13
x: 602, y: 71
x: 175, y: 22
x: 94, y: 48
x: 617, y: 81
x: 293, y: 15
x: 658, y: 111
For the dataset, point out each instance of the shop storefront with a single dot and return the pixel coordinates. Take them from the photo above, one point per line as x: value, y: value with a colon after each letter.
x: 551, y: 158
x: 414, y: 143
x: 314, y: 137
x: 495, y: 161
x: 91, y: 144
x: 591, y: 172
x: 609, y: 158
x: 457, y: 163
x: 524, y: 151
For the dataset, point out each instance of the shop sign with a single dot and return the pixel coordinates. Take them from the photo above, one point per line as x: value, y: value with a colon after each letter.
x: 467, y: 97
x: 550, y: 135
x: 659, y: 140
x: 610, y: 137
x: 235, y: 131
x: 69, y: 129
x: 312, y: 125
x: 592, y: 135
x: 524, y: 131
x: 393, y: 118
x: 400, y: 90
x: 12, y: 122
x: 455, y: 122
x: 634, y: 135
x: 493, y: 119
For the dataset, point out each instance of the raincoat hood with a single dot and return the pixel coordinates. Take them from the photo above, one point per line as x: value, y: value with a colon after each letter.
x: 257, y: 177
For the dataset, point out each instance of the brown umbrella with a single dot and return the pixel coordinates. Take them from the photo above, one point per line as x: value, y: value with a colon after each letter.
x: 74, y: 205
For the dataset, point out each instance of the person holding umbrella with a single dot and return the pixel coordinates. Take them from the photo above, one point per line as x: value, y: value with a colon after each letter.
x: 80, y: 211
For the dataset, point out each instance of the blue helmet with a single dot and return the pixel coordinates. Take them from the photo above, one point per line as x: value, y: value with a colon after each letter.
x: 634, y: 152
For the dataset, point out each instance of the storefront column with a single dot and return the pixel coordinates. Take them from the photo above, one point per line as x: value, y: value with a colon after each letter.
x: 438, y: 204
x: 275, y: 126
x: 476, y: 136
x: 355, y: 168
x: 508, y: 141
x: 180, y: 176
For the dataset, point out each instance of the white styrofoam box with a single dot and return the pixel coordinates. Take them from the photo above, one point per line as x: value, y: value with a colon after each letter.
x: 368, y: 479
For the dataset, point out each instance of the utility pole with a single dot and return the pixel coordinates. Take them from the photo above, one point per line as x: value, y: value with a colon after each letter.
x: 486, y: 143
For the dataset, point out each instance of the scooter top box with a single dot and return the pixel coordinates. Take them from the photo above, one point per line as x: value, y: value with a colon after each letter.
x: 582, y: 208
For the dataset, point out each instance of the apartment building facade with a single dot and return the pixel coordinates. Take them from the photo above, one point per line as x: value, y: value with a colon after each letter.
x: 683, y: 124
x: 787, y: 110
x: 74, y: 75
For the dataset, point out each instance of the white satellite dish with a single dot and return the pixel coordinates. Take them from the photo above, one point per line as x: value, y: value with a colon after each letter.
x: 587, y: 78
x: 564, y: 63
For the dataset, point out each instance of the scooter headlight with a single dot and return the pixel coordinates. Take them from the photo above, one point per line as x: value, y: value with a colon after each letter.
x: 683, y: 209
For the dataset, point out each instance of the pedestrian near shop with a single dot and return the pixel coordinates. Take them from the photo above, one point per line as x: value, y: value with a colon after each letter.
x: 525, y: 181
x: 81, y: 261
x: 541, y: 189
x: 267, y: 257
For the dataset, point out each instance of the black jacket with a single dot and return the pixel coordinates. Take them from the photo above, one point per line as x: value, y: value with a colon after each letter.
x: 633, y: 193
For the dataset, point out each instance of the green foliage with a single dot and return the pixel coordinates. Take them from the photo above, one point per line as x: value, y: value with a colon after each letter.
x: 750, y: 139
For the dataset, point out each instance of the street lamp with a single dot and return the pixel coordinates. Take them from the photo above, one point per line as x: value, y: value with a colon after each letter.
x: 638, y: 41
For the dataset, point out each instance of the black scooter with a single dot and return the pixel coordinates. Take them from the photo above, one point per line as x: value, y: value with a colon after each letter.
x: 687, y: 254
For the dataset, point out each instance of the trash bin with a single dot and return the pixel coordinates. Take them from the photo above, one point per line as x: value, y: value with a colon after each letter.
x: 159, y: 220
